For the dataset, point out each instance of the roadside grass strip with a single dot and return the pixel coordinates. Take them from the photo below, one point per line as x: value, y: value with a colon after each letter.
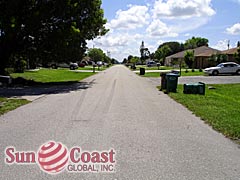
x: 53, y: 75
x: 157, y: 74
x: 8, y: 104
x: 219, y: 107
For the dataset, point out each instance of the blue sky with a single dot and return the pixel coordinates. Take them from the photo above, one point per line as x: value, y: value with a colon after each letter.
x: 158, y: 21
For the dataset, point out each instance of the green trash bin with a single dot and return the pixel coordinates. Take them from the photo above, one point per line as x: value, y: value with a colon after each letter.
x: 172, y: 82
x: 163, y: 81
x: 194, y: 88
x: 142, y: 71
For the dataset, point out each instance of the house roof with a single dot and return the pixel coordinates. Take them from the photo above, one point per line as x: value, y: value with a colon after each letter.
x: 202, y: 51
x: 230, y: 51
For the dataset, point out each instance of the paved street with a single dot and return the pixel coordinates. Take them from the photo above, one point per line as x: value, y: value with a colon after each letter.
x: 154, y: 137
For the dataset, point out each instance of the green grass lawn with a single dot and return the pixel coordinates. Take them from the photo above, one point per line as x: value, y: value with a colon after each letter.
x: 152, y: 68
x: 91, y: 68
x: 220, y: 107
x: 190, y: 73
x: 7, y: 104
x: 53, y: 75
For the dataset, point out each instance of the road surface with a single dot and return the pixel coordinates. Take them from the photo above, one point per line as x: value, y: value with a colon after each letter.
x: 154, y: 137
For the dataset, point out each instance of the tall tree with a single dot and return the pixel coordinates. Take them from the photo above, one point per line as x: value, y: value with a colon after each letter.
x: 238, y: 44
x: 134, y: 60
x: 162, y: 53
x: 125, y: 61
x: 189, y: 58
x: 96, y: 54
x: 218, y: 58
x: 175, y: 47
x: 195, y: 42
x: 49, y: 30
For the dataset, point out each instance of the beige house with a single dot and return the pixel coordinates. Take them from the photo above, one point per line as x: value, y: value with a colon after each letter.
x: 201, y: 55
x: 230, y: 53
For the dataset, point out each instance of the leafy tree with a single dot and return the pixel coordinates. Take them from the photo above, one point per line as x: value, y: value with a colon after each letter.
x: 238, y: 44
x: 114, y: 61
x: 106, y: 59
x: 219, y: 58
x: 189, y: 58
x: 158, y: 54
x: 144, y: 52
x: 237, y: 55
x: 134, y: 60
x: 162, y: 52
x: 96, y: 54
x: 175, y: 47
x: 48, y: 30
x: 124, y: 61
x: 129, y: 58
x: 152, y: 55
x: 195, y: 42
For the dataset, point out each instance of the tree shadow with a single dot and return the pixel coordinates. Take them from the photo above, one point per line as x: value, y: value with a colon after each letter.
x: 36, y: 88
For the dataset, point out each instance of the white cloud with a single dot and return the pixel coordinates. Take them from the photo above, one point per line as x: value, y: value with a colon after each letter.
x: 222, y: 45
x: 160, y: 29
x: 234, y: 30
x: 182, y: 9
x: 118, y: 39
x: 134, y: 17
x: 120, y: 44
x: 183, y: 26
x: 161, y: 19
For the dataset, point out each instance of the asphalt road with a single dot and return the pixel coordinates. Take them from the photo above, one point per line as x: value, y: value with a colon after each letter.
x: 154, y: 137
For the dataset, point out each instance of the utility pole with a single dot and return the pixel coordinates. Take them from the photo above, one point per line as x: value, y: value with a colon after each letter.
x: 109, y: 54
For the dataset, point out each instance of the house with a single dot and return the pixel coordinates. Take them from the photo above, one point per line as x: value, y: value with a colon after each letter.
x: 230, y: 53
x: 201, y: 57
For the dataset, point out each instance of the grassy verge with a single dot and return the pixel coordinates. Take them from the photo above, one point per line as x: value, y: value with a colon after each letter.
x: 53, y: 75
x: 91, y: 68
x: 7, y: 104
x: 190, y: 73
x: 152, y: 68
x: 157, y: 74
x: 219, y: 107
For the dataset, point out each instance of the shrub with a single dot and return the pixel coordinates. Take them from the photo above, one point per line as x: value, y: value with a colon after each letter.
x: 20, y: 66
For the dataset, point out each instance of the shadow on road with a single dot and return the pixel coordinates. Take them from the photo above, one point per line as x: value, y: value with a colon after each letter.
x: 44, y: 88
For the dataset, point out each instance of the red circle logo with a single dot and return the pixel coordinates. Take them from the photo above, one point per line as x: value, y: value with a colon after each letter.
x: 52, y: 157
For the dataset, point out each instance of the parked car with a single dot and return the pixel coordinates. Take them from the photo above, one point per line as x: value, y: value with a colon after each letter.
x: 224, y: 68
x: 70, y: 65
x: 151, y: 64
x: 99, y: 63
x: 81, y: 64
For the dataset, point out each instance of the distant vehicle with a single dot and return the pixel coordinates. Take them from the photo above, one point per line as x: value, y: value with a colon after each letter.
x: 81, y: 64
x: 70, y: 65
x: 151, y: 64
x: 223, y: 68
x: 99, y: 63
x: 91, y: 62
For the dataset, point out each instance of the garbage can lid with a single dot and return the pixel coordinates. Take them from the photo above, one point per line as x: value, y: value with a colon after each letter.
x: 172, y: 74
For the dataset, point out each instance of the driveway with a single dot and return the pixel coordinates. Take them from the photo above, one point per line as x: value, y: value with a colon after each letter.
x: 154, y: 137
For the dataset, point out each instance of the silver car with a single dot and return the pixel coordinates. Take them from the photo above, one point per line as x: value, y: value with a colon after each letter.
x: 151, y: 64
x: 224, y: 68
